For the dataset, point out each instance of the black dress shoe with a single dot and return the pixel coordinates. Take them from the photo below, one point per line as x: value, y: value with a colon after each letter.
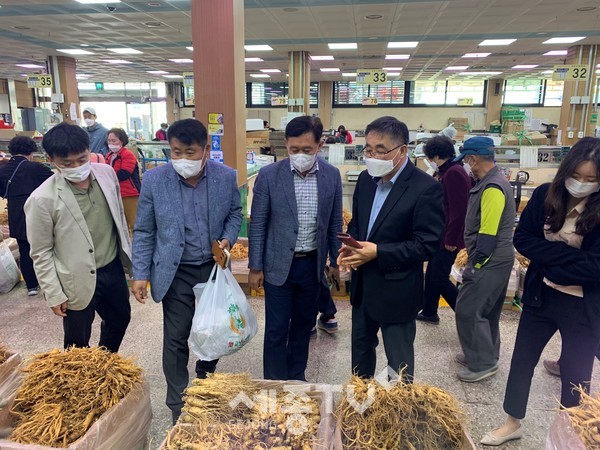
x: 431, y: 319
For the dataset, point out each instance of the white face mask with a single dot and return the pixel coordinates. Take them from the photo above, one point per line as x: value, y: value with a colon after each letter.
x: 89, y: 122
x: 579, y: 189
x: 380, y: 167
x: 302, y: 162
x: 187, y: 168
x: 114, y: 147
x: 76, y: 174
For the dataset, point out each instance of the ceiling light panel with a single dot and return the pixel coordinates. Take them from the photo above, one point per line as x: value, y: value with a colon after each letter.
x: 456, y: 68
x: 125, y: 51
x: 525, y: 66
x: 270, y: 70
x: 411, y: 44
x: 397, y: 56
x: 74, y: 51
x: 330, y: 69
x: 322, y: 58
x: 557, y: 53
x: 343, y: 46
x: 117, y: 61
x: 30, y: 66
x: 394, y: 69
x: 563, y: 40
x: 258, y: 48
x: 490, y: 42
x: 182, y: 60
x: 260, y: 75
x: 94, y: 2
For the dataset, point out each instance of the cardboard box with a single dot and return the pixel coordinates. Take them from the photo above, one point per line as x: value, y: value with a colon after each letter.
x: 257, y: 139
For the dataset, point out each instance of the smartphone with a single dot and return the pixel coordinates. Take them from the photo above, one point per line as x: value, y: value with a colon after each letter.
x: 220, y: 254
x: 348, y: 240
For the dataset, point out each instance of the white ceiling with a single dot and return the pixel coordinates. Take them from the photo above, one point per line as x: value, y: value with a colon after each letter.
x: 31, y: 30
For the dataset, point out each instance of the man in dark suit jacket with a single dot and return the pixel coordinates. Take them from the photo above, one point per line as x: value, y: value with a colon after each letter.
x: 18, y: 179
x: 296, y: 215
x: 398, y: 219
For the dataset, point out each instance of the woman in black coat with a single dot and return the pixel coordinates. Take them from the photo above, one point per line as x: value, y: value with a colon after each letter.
x: 18, y: 179
x: 559, y: 231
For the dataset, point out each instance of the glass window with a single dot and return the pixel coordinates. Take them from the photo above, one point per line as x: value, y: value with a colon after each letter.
x: 428, y: 93
x: 458, y: 89
x: 352, y: 93
x: 261, y: 93
x: 554, y: 93
x: 523, y: 92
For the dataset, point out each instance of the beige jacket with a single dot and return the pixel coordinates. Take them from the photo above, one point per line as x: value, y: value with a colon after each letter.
x: 61, y: 245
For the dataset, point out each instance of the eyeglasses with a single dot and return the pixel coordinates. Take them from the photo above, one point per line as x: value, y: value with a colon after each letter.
x: 370, y: 153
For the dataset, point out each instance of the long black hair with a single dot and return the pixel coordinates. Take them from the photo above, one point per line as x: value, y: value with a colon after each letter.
x: 557, y: 199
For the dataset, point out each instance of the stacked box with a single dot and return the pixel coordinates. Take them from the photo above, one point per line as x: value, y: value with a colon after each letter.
x: 461, y: 124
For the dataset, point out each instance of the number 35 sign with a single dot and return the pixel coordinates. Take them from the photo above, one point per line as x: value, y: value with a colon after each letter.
x: 39, y: 81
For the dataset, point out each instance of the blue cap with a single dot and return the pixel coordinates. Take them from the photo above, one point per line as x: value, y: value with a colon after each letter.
x: 478, y: 145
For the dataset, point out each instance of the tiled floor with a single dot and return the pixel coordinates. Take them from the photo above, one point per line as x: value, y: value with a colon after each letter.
x: 28, y: 326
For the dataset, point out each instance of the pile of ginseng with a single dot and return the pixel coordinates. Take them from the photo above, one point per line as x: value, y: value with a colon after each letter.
x: 401, y: 417
x: 461, y: 259
x: 210, y: 420
x: 522, y: 260
x: 65, y: 392
x: 4, y: 354
x: 346, y: 218
x: 586, y: 419
x: 238, y: 251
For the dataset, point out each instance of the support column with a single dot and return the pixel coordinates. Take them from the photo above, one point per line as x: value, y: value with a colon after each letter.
x: 325, y: 101
x: 63, y: 70
x: 576, y: 117
x: 219, y: 74
x: 493, y: 102
x: 299, y: 82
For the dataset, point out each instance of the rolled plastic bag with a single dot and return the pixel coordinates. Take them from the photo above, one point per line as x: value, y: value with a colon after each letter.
x: 9, y: 272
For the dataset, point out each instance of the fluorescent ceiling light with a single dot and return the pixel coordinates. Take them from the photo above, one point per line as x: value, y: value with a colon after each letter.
x: 182, y: 60
x: 173, y: 76
x: 496, y: 42
x: 124, y: 51
x: 92, y: 2
x: 479, y: 73
x: 82, y: 76
x: 456, y: 68
x: 556, y: 53
x: 74, y: 51
x: 547, y: 72
x: 117, y: 61
x: 330, y: 69
x: 563, y: 40
x: 260, y: 75
x: 348, y: 74
x: 393, y: 74
x: 322, y: 58
x: 392, y: 68
x: 191, y: 49
x: 258, y: 48
x: 412, y: 44
x: 157, y: 72
x: 31, y: 66
x: 525, y: 66
x: 253, y: 60
x: 343, y: 46
x: 476, y: 55
x: 270, y: 70
x: 397, y: 56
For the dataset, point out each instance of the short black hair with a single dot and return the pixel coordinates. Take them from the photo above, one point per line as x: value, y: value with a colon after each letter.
x: 65, y: 139
x: 164, y: 124
x: 304, y: 124
x: 440, y: 146
x: 188, y: 131
x: 22, y: 145
x: 120, y: 134
x: 390, y: 126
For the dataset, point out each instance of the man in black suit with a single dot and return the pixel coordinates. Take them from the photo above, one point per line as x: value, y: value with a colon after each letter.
x: 398, y: 219
x: 18, y: 179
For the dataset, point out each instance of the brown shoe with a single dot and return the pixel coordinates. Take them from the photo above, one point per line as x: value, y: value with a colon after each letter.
x: 552, y: 367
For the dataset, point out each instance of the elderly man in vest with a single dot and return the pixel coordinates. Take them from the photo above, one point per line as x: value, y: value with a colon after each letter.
x: 488, y: 240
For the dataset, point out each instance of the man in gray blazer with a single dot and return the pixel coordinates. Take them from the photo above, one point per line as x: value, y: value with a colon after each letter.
x: 184, y: 206
x: 296, y: 215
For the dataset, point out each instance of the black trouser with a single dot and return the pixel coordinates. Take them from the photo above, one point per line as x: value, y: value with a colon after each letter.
x: 26, y: 264
x: 437, y: 282
x: 111, y: 302
x: 566, y: 314
x: 326, y: 305
x: 398, y: 341
x: 290, y: 311
x: 179, y: 304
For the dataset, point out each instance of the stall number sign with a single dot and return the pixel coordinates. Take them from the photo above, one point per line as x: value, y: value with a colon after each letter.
x: 570, y: 72
x: 464, y: 102
x: 279, y: 101
x: 39, y: 81
x: 369, y: 101
x: 371, y: 76
x: 188, y: 78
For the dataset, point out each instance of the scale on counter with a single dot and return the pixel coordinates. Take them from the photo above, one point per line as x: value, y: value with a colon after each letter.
x: 352, y: 175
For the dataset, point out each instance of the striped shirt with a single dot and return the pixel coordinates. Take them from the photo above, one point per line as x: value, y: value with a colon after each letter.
x: 307, y: 200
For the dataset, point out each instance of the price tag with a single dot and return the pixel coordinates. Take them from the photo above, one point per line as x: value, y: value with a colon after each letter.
x: 371, y: 76
x: 464, y: 102
x: 570, y: 72
x: 39, y: 81
x: 369, y: 101
x: 279, y: 101
x: 188, y: 79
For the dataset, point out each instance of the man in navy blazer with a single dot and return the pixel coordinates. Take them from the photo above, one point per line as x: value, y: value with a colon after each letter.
x: 184, y: 206
x: 296, y: 215
x: 398, y: 219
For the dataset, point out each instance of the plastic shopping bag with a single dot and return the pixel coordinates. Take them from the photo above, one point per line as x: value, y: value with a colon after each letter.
x: 9, y: 272
x: 223, y: 321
